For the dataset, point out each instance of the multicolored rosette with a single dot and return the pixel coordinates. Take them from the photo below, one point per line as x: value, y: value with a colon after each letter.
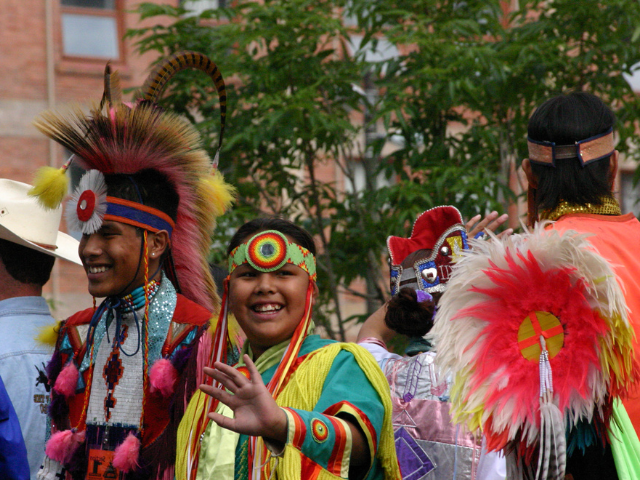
x: 88, y: 204
x: 269, y: 250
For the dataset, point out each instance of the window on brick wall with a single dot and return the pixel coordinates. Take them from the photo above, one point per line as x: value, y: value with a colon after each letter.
x: 196, y: 7
x: 91, y: 28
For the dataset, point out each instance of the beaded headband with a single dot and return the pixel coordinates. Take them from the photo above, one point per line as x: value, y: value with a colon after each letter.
x: 269, y: 250
x: 90, y: 206
x: 587, y: 151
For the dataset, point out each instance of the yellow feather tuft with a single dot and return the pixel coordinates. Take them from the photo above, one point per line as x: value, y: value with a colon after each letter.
x: 50, y: 186
x: 217, y: 193
x: 49, y: 334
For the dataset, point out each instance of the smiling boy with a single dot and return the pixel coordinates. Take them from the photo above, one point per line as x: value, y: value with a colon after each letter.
x: 146, y: 209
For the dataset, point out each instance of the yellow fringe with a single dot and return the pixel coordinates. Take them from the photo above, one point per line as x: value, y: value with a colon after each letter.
x: 196, y: 405
x: 303, y: 392
x: 48, y: 334
x: 50, y: 186
x: 216, y: 192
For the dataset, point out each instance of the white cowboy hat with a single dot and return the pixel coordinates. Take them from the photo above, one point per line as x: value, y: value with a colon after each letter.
x: 25, y: 222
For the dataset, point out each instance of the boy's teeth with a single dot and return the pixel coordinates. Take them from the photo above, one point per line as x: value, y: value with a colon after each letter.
x: 97, y: 269
x: 267, y: 308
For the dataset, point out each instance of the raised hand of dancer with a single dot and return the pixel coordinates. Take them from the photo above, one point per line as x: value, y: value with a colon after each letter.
x: 255, y: 411
x: 489, y: 223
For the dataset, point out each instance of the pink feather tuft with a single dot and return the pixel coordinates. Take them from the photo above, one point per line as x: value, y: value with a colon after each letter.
x: 62, y: 445
x: 126, y: 455
x: 163, y: 377
x: 67, y: 381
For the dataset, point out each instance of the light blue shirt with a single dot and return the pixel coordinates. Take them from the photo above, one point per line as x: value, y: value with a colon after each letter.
x: 21, y: 356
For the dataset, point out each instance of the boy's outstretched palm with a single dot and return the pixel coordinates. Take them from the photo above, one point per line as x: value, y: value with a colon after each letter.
x: 255, y: 411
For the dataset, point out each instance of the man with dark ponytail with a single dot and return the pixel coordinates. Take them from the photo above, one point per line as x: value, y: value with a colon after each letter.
x: 571, y: 170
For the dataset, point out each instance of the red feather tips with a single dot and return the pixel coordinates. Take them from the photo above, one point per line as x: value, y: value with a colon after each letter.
x: 163, y: 377
x: 62, y: 445
x: 67, y: 381
x: 125, y: 457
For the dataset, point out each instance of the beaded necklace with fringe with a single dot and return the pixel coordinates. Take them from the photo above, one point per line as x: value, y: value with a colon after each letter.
x: 131, y: 303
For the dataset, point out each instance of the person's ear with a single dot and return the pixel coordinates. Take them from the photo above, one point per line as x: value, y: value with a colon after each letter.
x: 613, y: 168
x: 528, y: 171
x: 158, y: 243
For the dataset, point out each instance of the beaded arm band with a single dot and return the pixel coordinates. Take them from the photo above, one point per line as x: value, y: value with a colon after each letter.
x: 587, y: 151
x: 269, y: 250
x: 323, y: 439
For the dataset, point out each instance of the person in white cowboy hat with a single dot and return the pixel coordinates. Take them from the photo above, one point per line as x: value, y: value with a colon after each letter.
x: 29, y: 244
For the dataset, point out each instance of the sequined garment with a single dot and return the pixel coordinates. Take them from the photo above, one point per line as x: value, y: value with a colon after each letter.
x: 609, y: 207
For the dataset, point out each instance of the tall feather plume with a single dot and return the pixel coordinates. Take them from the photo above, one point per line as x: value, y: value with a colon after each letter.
x: 166, y: 69
x: 490, y: 292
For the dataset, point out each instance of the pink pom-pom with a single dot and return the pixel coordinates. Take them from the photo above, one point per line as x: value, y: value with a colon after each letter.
x: 163, y: 377
x: 126, y: 455
x: 67, y: 381
x: 62, y: 445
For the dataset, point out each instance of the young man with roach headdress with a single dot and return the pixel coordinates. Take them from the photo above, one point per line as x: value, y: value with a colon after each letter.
x: 146, y: 208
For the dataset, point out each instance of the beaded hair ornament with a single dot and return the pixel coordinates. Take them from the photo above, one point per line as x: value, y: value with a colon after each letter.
x: 424, y: 260
x: 266, y: 251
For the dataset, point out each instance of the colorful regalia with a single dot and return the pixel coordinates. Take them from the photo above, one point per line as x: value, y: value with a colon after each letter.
x: 428, y: 444
x: 119, y: 375
x: 317, y: 382
x: 539, y: 343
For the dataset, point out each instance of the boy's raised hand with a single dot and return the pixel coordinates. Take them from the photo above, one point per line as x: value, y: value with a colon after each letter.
x: 255, y: 411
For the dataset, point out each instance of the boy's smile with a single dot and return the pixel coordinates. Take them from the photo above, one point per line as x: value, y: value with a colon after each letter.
x: 112, y: 259
x: 268, y: 305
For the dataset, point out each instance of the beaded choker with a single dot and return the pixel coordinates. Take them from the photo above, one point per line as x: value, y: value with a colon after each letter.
x: 609, y: 206
x: 135, y: 300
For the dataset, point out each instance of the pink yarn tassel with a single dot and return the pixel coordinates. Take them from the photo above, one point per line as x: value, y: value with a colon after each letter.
x: 126, y: 455
x: 67, y: 381
x: 62, y: 445
x: 162, y: 377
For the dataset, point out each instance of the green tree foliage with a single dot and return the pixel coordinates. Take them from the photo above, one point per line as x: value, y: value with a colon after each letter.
x: 311, y: 85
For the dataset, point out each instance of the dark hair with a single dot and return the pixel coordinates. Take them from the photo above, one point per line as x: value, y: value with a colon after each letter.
x: 408, y: 317
x: 299, y: 234
x: 149, y: 187
x: 566, y: 119
x: 25, y: 264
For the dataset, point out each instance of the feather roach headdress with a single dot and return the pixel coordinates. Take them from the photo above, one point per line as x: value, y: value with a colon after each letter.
x: 534, y: 329
x: 119, y: 138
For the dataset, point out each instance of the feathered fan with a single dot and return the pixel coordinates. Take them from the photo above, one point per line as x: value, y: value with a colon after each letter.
x: 534, y: 329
